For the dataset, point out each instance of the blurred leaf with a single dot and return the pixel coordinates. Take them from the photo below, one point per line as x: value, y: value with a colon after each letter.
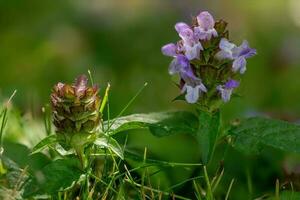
x: 289, y: 195
x: 20, y: 154
x: 14, y: 176
x: 253, y: 134
x: 111, y: 143
x: 209, y: 125
x: 9, y: 194
x: 179, y: 98
x: 54, y: 177
x: 44, y: 143
x: 160, y: 124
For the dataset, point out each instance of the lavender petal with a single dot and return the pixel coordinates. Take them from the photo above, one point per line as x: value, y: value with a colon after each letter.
x: 169, y: 50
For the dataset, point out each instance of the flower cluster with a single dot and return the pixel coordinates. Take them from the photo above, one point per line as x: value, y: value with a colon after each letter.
x: 206, y: 61
x: 76, y: 107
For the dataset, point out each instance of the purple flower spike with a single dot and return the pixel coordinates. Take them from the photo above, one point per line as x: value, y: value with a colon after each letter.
x: 169, y: 50
x: 226, y: 89
x: 205, y: 29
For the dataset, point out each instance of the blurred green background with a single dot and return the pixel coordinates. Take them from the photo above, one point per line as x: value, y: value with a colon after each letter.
x: 44, y: 42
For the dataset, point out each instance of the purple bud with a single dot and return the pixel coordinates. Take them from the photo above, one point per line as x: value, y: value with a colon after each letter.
x: 169, y: 50
x: 81, y: 85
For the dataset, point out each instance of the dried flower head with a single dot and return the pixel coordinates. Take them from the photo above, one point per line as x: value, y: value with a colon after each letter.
x: 76, y: 107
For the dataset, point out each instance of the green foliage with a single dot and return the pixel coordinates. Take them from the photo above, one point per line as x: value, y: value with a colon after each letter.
x: 56, y: 176
x: 44, y: 143
x: 111, y: 144
x: 12, y: 179
x: 160, y: 124
x: 253, y: 134
x: 289, y: 195
x: 209, y: 127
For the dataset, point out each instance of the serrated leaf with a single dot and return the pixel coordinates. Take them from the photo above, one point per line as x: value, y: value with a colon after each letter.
x: 253, y: 134
x: 111, y: 143
x: 160, y: 124
x: 44, y: 143
x: 209, y: 125
x: 54, y: 177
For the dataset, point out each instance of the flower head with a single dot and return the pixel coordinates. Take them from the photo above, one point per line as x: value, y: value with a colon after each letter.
x: 201, y: 68
x: 76, y: 107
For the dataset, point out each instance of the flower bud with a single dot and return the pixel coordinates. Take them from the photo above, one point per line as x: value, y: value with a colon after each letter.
x: 76, y: 107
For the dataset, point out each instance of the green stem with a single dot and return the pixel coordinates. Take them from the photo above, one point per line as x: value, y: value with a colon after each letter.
x: 229, y: 189
x: 81, y: 157
x: 277, y: 197
x: 209, y: 190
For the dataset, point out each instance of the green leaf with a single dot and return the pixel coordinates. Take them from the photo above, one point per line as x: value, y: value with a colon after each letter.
x: 13, y: 176
x: 209, y: 127
x: 44, y: 143
x: 253, y: 134
x: 160, y: 124
x: 111, y: 143
x: 179, y: 98
x: 289, y: 195
x: 54, y: 177
x: 20, y: 154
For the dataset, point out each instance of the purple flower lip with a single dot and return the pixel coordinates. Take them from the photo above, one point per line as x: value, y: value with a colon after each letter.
x: 205, y: 20
x: 231, y: 84
x: 180, y: 26
x: 169, y: 50
x: 244, y: 51
x: 205, y: 29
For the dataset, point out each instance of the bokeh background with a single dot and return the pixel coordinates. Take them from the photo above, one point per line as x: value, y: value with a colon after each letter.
x: 43, y: 42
